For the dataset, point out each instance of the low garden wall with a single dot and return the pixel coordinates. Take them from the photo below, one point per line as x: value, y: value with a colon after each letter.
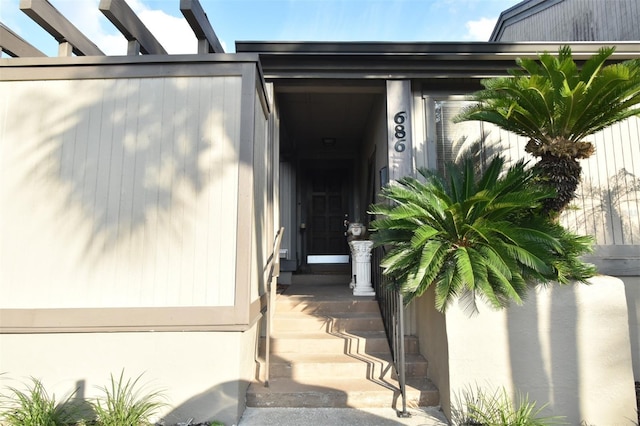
x: 632, y: 289
x: 568, y: 347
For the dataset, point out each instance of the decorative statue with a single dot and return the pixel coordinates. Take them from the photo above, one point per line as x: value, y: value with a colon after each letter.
x: 356, y: 231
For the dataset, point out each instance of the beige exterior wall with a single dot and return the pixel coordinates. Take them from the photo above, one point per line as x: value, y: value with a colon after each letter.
x: 119, y: 192
x: 135, y: 231
x: 262, y: 223
x: 574, y: 20
x: 202, y: 375
x: 430, y: 327
x: 566, y: 346
x: 632, y: 290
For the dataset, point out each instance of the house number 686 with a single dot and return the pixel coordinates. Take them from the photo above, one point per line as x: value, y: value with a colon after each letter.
x: 399, y: 131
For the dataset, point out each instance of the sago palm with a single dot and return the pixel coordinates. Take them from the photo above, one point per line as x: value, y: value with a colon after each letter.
x: 557, y: 104
x: 482, y: 236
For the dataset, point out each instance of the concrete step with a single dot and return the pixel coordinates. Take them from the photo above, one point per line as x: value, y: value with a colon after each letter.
x: 327, y: 306
x: 335, y: 392
x: 343, y: 322
x: 329, y: 349
x: 355, y: 366
x: 321, y: 342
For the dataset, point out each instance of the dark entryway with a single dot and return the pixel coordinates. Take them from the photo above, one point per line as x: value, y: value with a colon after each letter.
x: 326, y: 131
x: 328, y: 209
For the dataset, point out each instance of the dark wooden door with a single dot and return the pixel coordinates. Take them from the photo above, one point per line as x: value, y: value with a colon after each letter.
x: 327, y: 207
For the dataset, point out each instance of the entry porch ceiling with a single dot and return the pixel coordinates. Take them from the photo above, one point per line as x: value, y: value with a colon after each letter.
x: 313, y: 112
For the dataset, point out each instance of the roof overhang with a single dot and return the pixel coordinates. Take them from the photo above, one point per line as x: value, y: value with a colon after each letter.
x: 376, y: 60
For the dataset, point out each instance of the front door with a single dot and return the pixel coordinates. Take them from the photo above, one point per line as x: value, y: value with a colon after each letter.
x: 327, y: 205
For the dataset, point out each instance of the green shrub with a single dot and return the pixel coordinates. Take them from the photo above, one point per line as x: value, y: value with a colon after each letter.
x: 124, y: 403
x: 478, y: 408
x: 34, y: 407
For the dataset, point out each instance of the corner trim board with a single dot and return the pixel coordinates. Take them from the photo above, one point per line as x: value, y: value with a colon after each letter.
x: 88, y: 320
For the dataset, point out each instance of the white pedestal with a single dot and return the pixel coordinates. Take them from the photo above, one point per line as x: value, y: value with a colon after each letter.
x: 361, y: 267
x: 354, y: 272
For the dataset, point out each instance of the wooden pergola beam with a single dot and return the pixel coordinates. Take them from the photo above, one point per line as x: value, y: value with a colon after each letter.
x: 197, y: 18
x: 16, y: 46
x: 53, y: 22
x: 131, y: 27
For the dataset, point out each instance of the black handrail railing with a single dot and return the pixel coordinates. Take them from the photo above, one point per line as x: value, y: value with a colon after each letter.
x: 268, y: 302
x: 392, y: 309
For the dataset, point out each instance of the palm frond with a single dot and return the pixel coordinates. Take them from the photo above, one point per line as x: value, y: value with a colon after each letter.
x: 475, y: 235
x: 447, y: 288
x: 464, y: 267
x: 422, y: 235
x: 432, y: 257
x: 557, y: 104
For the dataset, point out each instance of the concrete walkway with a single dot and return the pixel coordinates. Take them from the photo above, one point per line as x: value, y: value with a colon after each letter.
x: 428, y: 416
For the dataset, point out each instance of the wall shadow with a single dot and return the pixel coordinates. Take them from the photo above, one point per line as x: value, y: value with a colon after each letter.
x: 130, y: 180
x: 543, y: 351
x: 218, y: 403
x: 132, y: 155
x: 221, y: 403
x: 605, y: 210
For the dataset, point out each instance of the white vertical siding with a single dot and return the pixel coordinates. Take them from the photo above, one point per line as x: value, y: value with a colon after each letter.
x: 452, y: 141
x: 263, y: 203
x: 608, y: 200
x: 118, y: 192
x: 608, y: 205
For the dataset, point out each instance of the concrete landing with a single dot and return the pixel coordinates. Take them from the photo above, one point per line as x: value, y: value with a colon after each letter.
x: 427, y: 416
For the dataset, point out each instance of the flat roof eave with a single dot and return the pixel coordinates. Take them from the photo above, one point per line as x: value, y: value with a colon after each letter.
x: 624, y: 48
x: 384, y: 60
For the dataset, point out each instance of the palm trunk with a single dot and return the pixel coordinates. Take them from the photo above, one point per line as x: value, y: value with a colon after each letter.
x: 563, y: 174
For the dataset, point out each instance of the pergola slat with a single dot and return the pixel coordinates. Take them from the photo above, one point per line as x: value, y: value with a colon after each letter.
x: 197, y: 19
x: 16, y: 46
x: 131, y: 27
x: 53, y: 22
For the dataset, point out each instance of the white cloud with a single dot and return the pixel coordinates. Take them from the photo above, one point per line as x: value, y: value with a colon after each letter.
x: 481, y: 29
x: 173, y: 32
x: 86, y: 16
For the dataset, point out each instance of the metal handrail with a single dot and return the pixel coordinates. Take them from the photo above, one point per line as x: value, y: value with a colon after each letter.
x: 391, y: 305
x: 273, y: 264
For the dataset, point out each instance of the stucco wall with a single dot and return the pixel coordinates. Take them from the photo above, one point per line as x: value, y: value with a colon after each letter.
x: 566, y: 346
x: 432, y: 339
x: 203, y: 375
x: 632, y: 289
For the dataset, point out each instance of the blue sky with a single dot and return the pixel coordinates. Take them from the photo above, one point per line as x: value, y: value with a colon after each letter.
x: 277, y: 20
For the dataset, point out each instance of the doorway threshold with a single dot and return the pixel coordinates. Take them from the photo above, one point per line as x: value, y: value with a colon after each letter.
x: 341, y: 269
x: 327, y: 258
